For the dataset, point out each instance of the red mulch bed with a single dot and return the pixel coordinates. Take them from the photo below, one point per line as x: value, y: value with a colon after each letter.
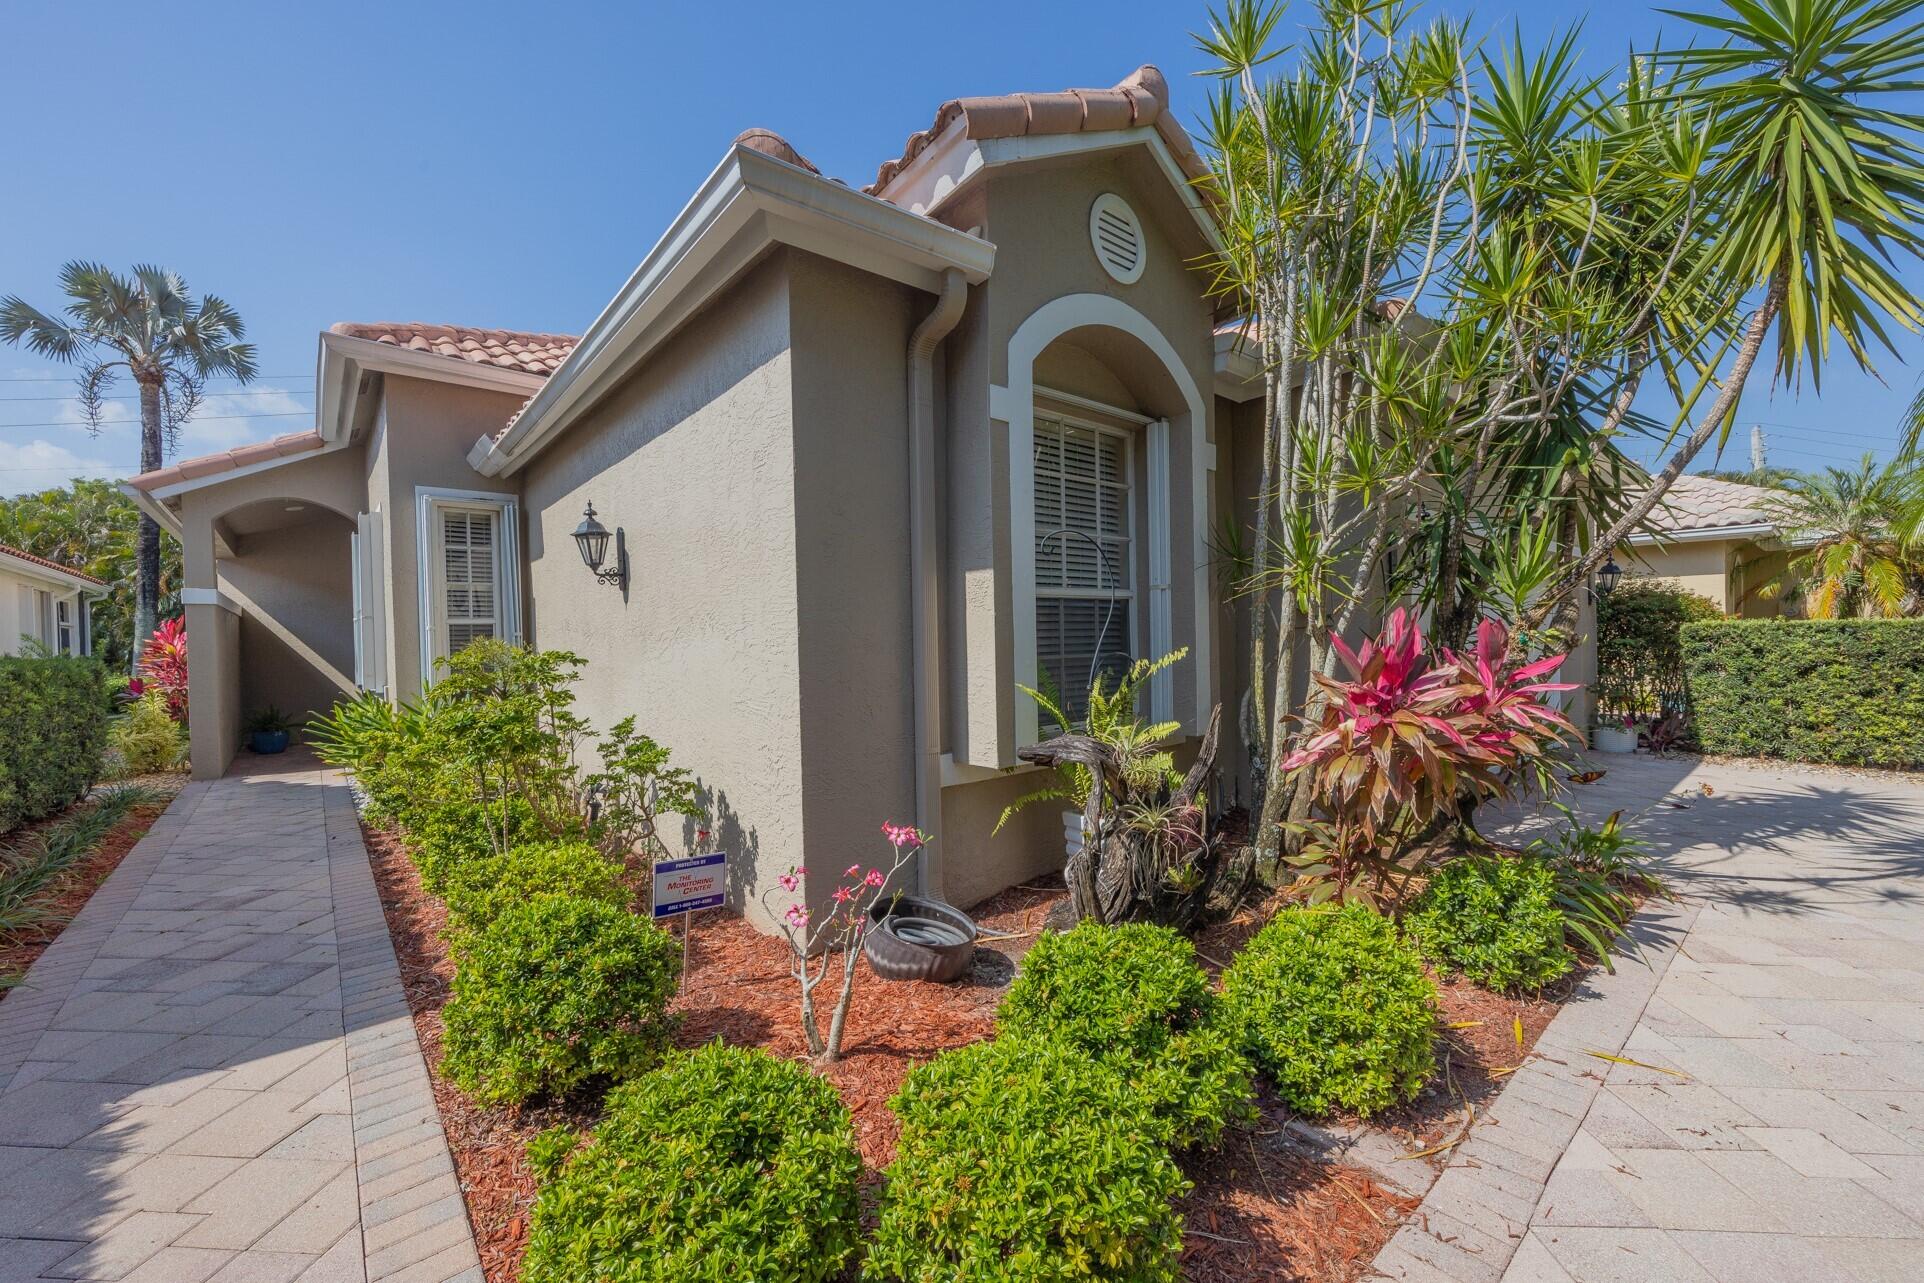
x: 69, y: 893
x: 1264, y: 1208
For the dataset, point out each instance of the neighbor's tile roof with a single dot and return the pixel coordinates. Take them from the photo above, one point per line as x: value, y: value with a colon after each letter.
x: 228, y: 460
x: 509, y: 349
x: 1710, y: 503
x: 1141, y: 99
x: 11, y: 551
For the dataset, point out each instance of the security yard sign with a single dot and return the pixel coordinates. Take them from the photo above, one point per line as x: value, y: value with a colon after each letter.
x: 690, y: 883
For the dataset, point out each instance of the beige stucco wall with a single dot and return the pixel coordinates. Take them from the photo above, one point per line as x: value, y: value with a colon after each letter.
x: 1700, y: 566
x: 693, y: 462
x: 295, y: 588
x: 213, y: 689
x: 421, y: 439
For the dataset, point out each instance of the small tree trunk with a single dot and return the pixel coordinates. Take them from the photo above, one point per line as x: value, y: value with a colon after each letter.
x: 840, y: 1018
x: 147, y: 563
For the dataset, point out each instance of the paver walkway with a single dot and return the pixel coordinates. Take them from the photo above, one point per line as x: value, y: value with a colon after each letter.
x: 1786, y: 1140
x: 212, y: 1075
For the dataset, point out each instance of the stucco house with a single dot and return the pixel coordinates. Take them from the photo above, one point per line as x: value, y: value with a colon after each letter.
x: 1720, y: 539
x: 45, y: 602
x: 871, y: 458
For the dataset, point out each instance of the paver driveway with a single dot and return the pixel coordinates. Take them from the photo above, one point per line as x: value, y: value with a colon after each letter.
x: 1786, y: 1142
x: 212, y: 1073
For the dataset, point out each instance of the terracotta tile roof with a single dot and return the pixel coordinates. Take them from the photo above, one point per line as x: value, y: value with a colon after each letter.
x: 10, y: 551
x: 228, y: 460
x: 509, y: 349
x: 1696, y: 503
x: 1141, y: 99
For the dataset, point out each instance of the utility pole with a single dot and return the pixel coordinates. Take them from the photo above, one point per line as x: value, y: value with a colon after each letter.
x: 1759, y: 456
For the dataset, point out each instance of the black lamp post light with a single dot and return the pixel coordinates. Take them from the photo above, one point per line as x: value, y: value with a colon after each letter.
x: 1607, y: 576
x: 592, y: 538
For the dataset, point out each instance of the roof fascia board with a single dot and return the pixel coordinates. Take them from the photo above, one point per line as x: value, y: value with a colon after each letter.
x: 179, y: 488
x: 1752, y: 531
x: 166, y: 518
x: 997, y: 152
x: 748, y: 203
x: 344, y: 359
x: 48, y: 574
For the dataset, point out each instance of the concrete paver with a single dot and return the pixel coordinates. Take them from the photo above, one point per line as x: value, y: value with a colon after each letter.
x: 1775, y: 1127
x: 196, y: 1077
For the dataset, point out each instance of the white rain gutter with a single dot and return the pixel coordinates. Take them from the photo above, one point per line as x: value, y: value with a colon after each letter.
x: 925, y: 614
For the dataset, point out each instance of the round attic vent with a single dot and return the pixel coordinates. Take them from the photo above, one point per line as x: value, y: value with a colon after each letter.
x: 1116, y: 236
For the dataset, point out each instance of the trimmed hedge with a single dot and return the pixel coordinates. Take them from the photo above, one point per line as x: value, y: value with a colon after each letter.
x: 54, y: 712
x: 1640, y: 661
x: 1844, y: 691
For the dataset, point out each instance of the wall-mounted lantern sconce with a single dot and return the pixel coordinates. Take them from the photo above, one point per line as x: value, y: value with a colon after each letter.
x: 1607, y: 576
x: 592, y: 538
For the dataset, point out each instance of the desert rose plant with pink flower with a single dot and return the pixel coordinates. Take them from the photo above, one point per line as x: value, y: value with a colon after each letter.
x: 842, y: 926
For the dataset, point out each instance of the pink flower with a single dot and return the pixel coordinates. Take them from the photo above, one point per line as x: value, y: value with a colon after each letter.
x: 852, y: 871
x: 796, y: 916
x: 902, y: 835
x: 874, y: 878
x: 843, y: 895
x: 789, y: 881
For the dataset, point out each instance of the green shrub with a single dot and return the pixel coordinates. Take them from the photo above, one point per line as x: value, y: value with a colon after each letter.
x: 53, y: 712
x: 1640, y: 662
x: 727, y: 1163
x: 144, y: 739
x: 447, y: 833
x: 1334, y: 1009
x: 558, y: 993
x: 1495, y: 920
x: 1022, y: 1161
x: 481, y: 890
x: 1134, y: 995
x: 1844, y: 691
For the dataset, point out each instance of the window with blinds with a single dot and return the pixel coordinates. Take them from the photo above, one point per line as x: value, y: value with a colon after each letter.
x: 470, y: 576
x: 1084, y: 583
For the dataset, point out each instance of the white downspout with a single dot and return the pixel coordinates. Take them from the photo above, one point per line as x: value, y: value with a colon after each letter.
x: 924, y: 589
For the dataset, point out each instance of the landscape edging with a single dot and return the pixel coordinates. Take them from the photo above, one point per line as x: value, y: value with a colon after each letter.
x: 1474, y: 1217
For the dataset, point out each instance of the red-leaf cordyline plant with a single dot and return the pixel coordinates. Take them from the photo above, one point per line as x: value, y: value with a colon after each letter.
x: 1406, y: 741
x: 163, y: 666
x: 843, y: 926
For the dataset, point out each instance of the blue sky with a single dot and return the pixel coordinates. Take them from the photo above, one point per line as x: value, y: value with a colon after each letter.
x: 508, y: 165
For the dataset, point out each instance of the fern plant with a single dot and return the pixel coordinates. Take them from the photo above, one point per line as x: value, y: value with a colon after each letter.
x: 1148, y: 767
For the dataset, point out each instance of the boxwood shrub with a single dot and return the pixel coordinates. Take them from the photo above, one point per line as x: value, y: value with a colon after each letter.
x: 726, y: 1163
x: 54, y: 714
x: 1844, y: 691
x: 1134, y: 995
x: 1025, y: 1161
x: 481, y: 889
x: 1335, y: 1010
x: 558, y: 993
x: 1495, y: 920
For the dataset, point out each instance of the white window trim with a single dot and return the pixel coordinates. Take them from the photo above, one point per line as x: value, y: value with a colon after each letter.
x: 428, y: 500
x: 71, y: 625
x: 1015, y: 406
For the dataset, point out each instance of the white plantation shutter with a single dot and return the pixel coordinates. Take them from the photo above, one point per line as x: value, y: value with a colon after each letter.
x: 470, y: 576
x: 370, y: 602
x: 1081, y: 503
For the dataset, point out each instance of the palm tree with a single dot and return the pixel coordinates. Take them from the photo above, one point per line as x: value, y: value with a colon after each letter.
x: 1856, y: 564
x: 168, y: 341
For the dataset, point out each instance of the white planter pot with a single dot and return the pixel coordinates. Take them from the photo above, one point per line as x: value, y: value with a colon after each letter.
x: 1613, y: 739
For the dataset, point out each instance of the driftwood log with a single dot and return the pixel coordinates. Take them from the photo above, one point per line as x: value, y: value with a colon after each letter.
x: 1157, y: 857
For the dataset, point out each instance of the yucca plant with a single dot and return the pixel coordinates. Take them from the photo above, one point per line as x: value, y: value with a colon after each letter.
x: 1600, y: 873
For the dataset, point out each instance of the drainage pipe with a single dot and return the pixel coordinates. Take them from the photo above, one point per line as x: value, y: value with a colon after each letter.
x: 925, y: 614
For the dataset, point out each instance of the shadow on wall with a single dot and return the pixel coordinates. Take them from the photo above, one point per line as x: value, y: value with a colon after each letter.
x: 726, y: 832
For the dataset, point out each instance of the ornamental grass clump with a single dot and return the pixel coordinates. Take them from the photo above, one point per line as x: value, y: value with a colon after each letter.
x: 1334, y: 1009
x: 1496, y: 920
x: 559, y: 994
x: 1026, y: 1161
x: 481, y: 890
x: 726, y: 1163
x: 1133, y: 996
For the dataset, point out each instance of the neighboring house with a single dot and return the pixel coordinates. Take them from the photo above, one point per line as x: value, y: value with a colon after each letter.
x: 1719, y: 539
x: 873, y: 459
x: 43, y: 601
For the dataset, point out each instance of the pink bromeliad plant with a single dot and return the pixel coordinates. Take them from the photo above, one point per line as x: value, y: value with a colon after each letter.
x: 841, y: 925
x: 1406, y: 740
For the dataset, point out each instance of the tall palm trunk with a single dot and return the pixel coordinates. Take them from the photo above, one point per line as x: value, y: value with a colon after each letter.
x: 147, y: 563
